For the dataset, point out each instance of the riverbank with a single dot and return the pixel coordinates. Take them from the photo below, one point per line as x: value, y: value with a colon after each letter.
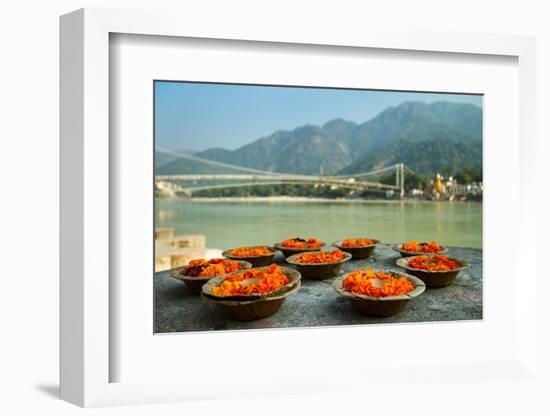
x: 293, y: 199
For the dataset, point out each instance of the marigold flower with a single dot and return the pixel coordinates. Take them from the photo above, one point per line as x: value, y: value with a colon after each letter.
x: 301, y: 243
x: 376, y: 283
x: 416, y: 246
x: 213, y: 267
x: 437, y: 262
x: 250, y: 251
x: 213, y: 270
x: 268, y: 279
x: 318, y: 257
x: 358, y: 242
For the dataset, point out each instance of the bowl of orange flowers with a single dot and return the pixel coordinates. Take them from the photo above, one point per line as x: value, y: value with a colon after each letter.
x: 437, y: 270
x: 199, y: 271
x: 415, y: 247
x: 359, y: 248
x: 296, y: 245
x: 258, y: 256
x: 254, y: 293
x: 378, y: 292
x: 319, y: 264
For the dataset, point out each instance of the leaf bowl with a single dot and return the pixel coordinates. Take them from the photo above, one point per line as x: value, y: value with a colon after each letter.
x: 358, y: 252
x: 318, y: 271
x: 256, y: 261
x: 253, y: 307
x: 293, y: 279
x: 290, y: 251
x: 380, y: 306
x: 433, y: 278
x: 195, y: 283
x: 404, y: 253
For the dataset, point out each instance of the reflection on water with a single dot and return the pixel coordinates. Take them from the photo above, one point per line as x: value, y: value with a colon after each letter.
x: 229, y: 224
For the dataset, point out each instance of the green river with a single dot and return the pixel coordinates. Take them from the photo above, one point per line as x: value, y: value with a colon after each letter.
x: 227, y: 224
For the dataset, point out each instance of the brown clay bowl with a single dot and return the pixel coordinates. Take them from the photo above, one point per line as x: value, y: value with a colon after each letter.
x: 256, y: 261
x: 293, y: 277
x: 289, y: 251
x: 251, y: 310
x: 397, y: 247
x: 383, y: 306
x: 195, y: 283
x: 357, y: 253
x: 318, y: 271
x: 433, y: 279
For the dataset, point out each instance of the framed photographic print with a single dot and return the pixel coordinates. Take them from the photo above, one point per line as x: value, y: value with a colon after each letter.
x: 269, y: 197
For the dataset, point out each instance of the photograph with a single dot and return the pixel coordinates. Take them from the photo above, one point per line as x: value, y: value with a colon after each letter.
x: 297, y: 206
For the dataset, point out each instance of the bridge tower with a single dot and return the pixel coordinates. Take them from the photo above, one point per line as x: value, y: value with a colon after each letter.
x: 397, y: 172
x: 400, y: 178
x: 402, y: 184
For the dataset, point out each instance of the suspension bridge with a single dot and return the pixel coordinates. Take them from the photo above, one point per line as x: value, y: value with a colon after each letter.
x: 186, y: 184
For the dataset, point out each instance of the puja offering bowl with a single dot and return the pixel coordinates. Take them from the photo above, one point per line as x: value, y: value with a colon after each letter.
x: 433, y: 278
x: 290, y: 251
x: 293, y: 280
x: 257, y: 306
x: 256, y: 261
x: 358, y: 252
x: 195, y: 283
x: 252, y: 310
x: 318, y: 271
x: 404, y: 253
x: 380, y: 306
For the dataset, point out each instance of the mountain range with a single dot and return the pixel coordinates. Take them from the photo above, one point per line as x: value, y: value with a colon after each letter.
x: 428, y: 138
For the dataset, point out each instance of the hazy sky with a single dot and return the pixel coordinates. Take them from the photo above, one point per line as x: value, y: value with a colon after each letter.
x: 195, y: 116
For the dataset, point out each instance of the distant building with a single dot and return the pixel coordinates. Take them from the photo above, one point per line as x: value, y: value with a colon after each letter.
x: 438, y: 187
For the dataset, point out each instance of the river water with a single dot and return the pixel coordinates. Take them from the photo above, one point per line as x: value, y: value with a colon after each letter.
x: 230, y: 224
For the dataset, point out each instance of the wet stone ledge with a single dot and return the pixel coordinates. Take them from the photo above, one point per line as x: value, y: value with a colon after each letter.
x: 317, y: 304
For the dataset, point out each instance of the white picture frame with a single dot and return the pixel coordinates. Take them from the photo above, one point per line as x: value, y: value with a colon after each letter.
x: 86, y: 355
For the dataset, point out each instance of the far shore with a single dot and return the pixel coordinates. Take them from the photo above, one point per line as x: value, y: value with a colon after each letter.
x: 286, y: 199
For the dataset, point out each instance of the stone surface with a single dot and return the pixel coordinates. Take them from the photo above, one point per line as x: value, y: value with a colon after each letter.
x: 318, y: 304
